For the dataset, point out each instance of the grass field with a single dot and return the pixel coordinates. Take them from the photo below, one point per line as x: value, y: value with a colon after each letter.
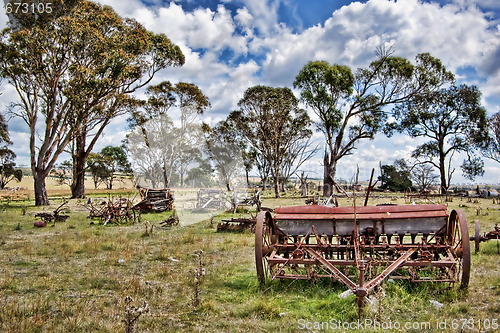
x: 75, y: 276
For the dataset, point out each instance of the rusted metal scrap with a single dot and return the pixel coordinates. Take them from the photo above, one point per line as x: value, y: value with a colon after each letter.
x: 157, y: 200
x: 53, y: 217
x: 420, y: 243
x: 251, y: 200
x: 237, y: 224
x: 172, y: 220
x: 208, y: 198
x: 478, y: 238
x: 318, y: 200
x: 115, y: 210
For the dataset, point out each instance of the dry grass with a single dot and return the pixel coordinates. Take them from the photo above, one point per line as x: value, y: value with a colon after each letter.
x: 74, y: 277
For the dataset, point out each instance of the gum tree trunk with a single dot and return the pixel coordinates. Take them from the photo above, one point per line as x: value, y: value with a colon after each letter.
x: 79, y: 160
x: 41, y: 197
x: 330, y: 168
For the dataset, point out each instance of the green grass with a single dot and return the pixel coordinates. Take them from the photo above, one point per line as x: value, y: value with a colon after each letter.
x: 74, y: 277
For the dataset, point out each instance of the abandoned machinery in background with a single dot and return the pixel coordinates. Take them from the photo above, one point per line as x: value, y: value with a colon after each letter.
x: 494, y: 234
x: 157, y: 200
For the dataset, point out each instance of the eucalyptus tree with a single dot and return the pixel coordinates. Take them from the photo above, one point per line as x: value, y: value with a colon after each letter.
x: 97, y: 167
x: 8, y: 172
x: 453, y: 120
x: 350, y: 107
x: 105, y: 165
x: 272, y: 123
x: 115, y: 160
x: 73, y: 73
x: 153, y: 150
x: 224, y: 151
x: 492, y: 150
x: 159, y: 145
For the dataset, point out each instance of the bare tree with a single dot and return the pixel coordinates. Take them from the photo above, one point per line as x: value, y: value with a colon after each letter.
x: 423, y: 176
x: 298, y: 153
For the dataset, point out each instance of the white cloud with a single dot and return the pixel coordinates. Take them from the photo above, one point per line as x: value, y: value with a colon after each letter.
x: 264, y: 13
x: 200, y: 29
x: 458, y: 33
x: 458, y: 36
x: 244, y: 18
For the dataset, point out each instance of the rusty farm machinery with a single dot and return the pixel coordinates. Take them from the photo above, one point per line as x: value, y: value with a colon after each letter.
x: 478, y: 238
x: 242, y: 223
x: 156, y: 200
x: 361, y: 247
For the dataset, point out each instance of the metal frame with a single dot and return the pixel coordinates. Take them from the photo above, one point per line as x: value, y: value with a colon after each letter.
x: 494, y: 234
x: 361, y: 247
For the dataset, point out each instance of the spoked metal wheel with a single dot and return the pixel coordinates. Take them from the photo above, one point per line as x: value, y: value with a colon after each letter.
x: 263, y: 245
x: 458, y: 238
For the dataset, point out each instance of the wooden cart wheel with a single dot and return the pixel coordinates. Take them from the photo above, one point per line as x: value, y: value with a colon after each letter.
x: 263, y: 234
x: 459, y: 239
x: 477, y: 236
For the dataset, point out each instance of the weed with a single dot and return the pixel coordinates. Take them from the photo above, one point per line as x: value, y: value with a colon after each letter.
x: 199, y: 274
x: 132, y: 313
x: 67, y: 279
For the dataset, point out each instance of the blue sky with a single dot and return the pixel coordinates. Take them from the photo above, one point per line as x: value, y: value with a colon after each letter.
x: 232, y: 45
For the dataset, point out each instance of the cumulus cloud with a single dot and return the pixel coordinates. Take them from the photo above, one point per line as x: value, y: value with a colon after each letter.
x: 201, y: 28
x: 228, y: 51
x: 245, y: 20
x: 459, y: 36
x: 264, y: 13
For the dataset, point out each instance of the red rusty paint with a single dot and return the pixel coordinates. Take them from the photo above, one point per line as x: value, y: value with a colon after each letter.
x: 317, y: 209
x: 308, y: 255
x: 361, y: 216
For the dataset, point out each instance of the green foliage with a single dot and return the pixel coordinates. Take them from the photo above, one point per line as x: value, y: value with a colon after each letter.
x: 395, y: 178
x: 472, y: 167
x: 77, y: 73
x: 322, y: 86
x: 270, y: 122
x: 117, y: 159
x: 200, y: 176
x: 104, y: 165
x: 96, y: 165
x: 63, y: 172
x: 453, y: 120
x: 4, y: 131
x: 492, y: 150
x: 350, y: 107
x: 163, y: 96
x: 39, y: 13
x: 8, y: 172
